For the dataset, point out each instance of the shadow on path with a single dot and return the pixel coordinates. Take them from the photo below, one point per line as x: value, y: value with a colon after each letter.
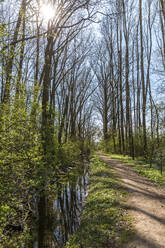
x: 146, y: 204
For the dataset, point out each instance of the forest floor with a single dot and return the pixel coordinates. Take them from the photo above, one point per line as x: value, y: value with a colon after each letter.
x: 145, y: 204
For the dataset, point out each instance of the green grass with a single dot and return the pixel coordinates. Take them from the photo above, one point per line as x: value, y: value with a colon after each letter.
x: 142, y: 168
x: 103, y: 222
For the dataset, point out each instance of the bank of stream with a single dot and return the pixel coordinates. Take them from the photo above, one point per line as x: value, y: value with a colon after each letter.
x: 104, y: 222
x: 60, y: 209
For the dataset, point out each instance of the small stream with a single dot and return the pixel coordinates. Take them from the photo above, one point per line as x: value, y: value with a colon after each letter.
x: 60, y: 210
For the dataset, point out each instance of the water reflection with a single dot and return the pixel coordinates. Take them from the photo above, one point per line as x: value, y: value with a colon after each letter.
x: 60, y: 212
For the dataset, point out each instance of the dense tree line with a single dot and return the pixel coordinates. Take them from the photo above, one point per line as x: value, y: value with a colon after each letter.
x: 130, y: 48
x: 45, y: 111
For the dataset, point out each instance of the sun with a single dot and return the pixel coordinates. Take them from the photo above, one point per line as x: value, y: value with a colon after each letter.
x: 47, y: 12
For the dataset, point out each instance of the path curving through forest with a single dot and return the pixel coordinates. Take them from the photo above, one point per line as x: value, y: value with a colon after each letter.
x: 146, y: 204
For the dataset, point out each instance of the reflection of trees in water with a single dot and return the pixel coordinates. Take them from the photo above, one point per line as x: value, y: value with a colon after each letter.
x: 46, y: 238
x: 59, y: 218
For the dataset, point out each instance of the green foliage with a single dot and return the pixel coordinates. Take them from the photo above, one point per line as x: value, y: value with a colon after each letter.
x: 152, y: 174
x: 106, y: 145
x: 30, y: 160
x: 153, y: 145
x: 20, y: 158
x: 69, y: 152
x: 102, y: 221
x: 88, y: 147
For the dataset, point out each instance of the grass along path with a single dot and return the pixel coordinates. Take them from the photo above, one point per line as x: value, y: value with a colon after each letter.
x: 146, y: 204
x: 103, y: 221
x: 142, y: 168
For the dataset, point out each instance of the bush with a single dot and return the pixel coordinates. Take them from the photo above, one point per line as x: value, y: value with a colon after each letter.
x: 69, y: 152
x: 20, y: 158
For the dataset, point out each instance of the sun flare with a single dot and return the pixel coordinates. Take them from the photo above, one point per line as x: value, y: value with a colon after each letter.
x: 47, y: 12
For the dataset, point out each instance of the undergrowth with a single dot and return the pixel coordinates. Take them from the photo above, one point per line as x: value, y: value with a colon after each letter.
x: 103, y: 222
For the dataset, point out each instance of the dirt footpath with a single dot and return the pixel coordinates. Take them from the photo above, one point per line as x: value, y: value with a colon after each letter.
x: 146, y: 204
